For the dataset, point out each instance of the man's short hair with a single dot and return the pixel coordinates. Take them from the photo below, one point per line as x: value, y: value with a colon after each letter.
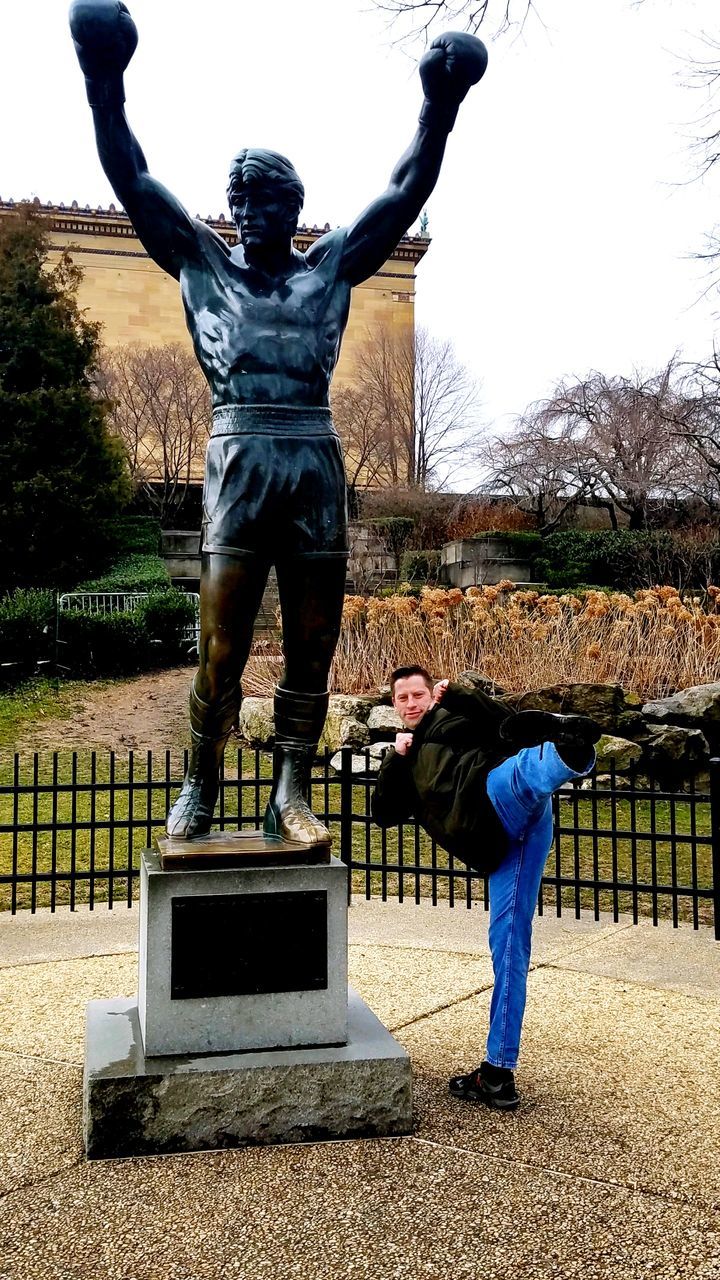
x: 403, y: 673
x: 254, y: 164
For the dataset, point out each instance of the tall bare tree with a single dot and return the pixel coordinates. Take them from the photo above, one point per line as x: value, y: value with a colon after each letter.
x: 695, y: 420
x: 160, y: 409
x: 619, y: 427
x: 614, y: 440
x: 367, y: 442
x: 539, y: 468
x: 428, y: 405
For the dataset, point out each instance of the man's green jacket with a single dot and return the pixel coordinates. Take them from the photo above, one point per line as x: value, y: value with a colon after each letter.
x: 442, y: 779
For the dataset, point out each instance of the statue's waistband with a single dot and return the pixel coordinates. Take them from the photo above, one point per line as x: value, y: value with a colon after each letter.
x: 272, y: 420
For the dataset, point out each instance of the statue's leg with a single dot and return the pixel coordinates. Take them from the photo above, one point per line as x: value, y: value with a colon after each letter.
x: 231, y: 590
x: 311, y: 592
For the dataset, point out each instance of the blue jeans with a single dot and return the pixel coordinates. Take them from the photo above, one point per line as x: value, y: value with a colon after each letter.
x: 520, y: 789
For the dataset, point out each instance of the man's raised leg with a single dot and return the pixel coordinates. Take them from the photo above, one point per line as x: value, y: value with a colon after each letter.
x: 520, y: 790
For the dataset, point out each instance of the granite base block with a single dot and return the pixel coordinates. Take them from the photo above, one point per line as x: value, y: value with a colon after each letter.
x: 204, y: 958
x: 136, y: 1105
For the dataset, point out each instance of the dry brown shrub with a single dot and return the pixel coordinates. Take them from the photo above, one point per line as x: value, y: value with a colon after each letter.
x: 652, y: 642
x: 477, y: 517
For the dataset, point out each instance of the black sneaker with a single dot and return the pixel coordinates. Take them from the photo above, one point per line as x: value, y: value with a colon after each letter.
x: 530, y: 728
x: 494, y: 1086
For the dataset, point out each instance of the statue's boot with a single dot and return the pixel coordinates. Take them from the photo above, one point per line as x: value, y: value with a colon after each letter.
x: 299, y: 720
x: 210, y: 727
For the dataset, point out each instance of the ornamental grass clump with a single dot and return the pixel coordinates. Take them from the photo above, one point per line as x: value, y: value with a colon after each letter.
x: 652, y: 642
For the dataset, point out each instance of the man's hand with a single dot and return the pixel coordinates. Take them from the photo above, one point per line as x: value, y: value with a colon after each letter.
x: 403, y: 743
x: 105, y: 39
x: 439, y: 690
x: 453, y: 63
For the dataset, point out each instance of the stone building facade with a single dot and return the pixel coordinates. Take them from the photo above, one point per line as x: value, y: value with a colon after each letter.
x: 138, y: 302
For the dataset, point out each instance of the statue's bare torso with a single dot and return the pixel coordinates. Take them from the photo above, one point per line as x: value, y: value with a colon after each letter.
x: 261, y: 339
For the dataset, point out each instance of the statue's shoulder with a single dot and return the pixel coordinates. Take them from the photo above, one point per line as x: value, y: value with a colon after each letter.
x: 328, y: 250
x: 210, y: 239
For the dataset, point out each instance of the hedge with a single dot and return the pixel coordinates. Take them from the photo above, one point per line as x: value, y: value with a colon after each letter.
x: 420, y: 566
x: 132, y: 573
x: 110, y: 644
x: 131, y: 535
x: 523, y: 541
x: 625, y: 559
x: 27, y: 624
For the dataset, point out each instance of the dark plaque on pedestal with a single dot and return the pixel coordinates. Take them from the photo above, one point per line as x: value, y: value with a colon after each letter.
x: 248, y: 944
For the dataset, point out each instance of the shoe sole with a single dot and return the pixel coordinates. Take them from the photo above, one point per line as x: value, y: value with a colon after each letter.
x: 486, y: 1099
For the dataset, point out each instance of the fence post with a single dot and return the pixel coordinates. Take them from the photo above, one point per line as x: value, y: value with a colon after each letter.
x: 346, y: 803
x: 715, y: 838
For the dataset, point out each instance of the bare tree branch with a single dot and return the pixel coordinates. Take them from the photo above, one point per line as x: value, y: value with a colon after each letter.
x: 613, y: 440
x: 425, y: 403
x: 160, y: 409
x: 424, y: 18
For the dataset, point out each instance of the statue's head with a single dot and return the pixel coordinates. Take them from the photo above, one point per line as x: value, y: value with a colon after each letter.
x: 265, y: 196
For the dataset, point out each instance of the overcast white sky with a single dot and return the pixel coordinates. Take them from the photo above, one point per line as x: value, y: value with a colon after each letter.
x: 563, y: 221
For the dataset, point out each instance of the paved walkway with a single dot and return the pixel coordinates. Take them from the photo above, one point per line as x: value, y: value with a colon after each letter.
x: 611, y: 1168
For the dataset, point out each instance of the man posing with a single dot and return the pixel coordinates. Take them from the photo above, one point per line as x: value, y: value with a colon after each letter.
x: 480, y: 779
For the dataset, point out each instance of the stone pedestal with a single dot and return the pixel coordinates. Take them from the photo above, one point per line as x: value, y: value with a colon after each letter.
x: 243, y: 1030
x: 137, y: 1105
x: 250, y: 957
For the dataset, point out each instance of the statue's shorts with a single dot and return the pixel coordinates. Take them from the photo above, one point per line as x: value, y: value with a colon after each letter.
x: 274, y: 484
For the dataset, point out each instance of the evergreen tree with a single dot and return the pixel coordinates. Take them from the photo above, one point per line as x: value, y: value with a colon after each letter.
x: 62, y: 474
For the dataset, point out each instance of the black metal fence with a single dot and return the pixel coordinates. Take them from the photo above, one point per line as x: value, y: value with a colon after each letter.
x: 72, y: 825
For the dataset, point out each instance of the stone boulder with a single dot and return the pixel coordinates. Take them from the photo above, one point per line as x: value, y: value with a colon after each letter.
x: 630, y: 723
x: 701, y: 702
x: 346, y: 722
x: 384, y: 723
x: 345, y: 725
x: 620, y: 782
x: 358, y: 763
x: 696, y: 708
x: 625, y: 755
x: 603, y: 702
x: 256, y: 726
x: 476, y: 680
x: 672, y: 753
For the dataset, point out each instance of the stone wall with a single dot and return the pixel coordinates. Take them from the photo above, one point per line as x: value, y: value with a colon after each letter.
x: 482, y: 561
x: 670, y: 740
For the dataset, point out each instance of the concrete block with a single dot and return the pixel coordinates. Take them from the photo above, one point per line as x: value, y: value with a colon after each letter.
x: 236, y: 959
x: 135, y: 1105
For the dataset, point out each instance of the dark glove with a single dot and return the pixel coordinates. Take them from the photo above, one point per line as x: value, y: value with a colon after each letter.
x: 105, y: 39
x: 453, y: 63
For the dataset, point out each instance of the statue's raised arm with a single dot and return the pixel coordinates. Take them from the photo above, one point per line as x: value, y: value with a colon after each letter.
x: 105, y: 39
x: 453, y: 63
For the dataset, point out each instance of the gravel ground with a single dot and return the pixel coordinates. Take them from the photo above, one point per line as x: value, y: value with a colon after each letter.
x: 608, y: 1171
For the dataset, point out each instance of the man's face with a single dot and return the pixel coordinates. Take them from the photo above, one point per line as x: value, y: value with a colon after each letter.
x: 262, y: 216
x: 411, y: 699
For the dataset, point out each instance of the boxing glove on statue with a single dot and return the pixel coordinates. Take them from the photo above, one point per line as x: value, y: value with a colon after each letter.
x: 105, y: 39
x: 453, y: 63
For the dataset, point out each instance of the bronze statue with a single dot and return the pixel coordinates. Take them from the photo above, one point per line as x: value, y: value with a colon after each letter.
x: 266, y: 322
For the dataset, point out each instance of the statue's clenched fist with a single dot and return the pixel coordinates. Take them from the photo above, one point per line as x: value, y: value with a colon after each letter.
x: 105, y: 37
x: 453, y: 63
